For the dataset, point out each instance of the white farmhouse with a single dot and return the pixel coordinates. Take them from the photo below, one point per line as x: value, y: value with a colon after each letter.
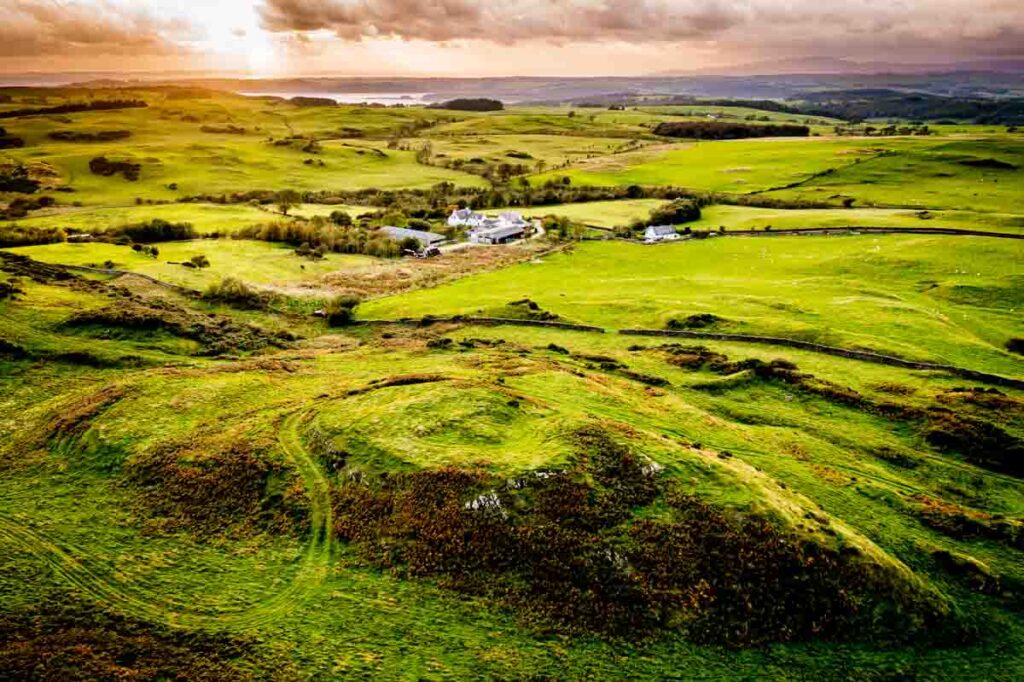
x: 465, y: 217
x: 660, y: 233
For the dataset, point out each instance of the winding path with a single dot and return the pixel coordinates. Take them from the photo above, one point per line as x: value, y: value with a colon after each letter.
x: 73, y: 567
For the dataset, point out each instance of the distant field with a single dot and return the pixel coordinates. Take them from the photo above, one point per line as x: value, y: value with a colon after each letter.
x: 168, y: 142
x: 552, y: 150
x: 739, y: 166
x: 924, y: 297
x: 206, y: 218
x: 754, y: 218
x: 251, y: 261
x: 936, y: 175
x: 599, y: 213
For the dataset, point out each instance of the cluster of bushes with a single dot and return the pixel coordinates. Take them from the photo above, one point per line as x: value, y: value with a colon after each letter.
x: 14, y: 236
x: 675, y: 213
x: 155, y: 230
x: 80, y: 136
x: 17, y: 179
x: 151, y: 251
x: 74, y: 108
x: 470, y: 104
x: 723, y: 130
x: 319, y: 233
x: 21, y: 206
x: 101, y: 165
x: 10, y: 141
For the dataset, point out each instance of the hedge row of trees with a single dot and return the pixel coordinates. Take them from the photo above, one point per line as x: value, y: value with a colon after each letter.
x: 318, y: 233
x: 728, y: 130
x: 74, y: 108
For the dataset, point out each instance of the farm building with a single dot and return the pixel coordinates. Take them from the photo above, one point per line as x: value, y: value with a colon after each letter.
x: 660, y: 233
x: 498, y: 234
x: 424, y: 238
x: 465, y: 217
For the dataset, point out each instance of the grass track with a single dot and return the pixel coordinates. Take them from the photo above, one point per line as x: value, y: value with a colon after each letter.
x: 71, y: 565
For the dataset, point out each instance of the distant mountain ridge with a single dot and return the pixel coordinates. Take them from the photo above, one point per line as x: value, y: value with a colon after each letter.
x: 836, y: 66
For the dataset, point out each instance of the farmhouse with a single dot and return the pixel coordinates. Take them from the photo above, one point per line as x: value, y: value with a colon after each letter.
x: 425, y: 239
x: 465, y: 217
x: 660, y: 233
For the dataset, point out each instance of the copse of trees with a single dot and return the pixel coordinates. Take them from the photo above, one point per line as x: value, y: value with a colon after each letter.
x: 728, y: 130
x: 101, y: 165
x: 156, y: 230
x: 470, y: 104
x: 318, y: 233
x: 77, y: 107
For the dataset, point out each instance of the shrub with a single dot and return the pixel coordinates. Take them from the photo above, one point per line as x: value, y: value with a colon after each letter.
x: 341, y: 310
x: 234, y: 292
x: 340, y: 218
x: 1015, y: 346
x: 199, y: 261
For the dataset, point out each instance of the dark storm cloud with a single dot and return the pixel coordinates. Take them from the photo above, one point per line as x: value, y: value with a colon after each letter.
x: 42, y: 28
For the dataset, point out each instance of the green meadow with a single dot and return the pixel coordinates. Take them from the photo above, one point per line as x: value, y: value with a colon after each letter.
x: 232, y: 487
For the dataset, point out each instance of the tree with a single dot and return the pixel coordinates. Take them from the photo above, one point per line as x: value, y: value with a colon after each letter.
x: 340, y: 218
x: 287, y: 199
x: 675, y: 212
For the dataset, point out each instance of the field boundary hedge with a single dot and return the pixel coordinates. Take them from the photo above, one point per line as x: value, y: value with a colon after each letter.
x: 952, y: 231
x: 866, y: 356
x: 486, y: 321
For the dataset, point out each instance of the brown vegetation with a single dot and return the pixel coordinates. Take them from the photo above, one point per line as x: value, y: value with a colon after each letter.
x: 565, y: 549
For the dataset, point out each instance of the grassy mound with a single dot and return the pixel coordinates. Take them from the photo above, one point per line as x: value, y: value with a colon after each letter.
x: 433, y: 424
x: 604, y: 546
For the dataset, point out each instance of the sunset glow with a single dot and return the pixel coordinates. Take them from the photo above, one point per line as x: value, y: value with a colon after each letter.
x: 467, y: 37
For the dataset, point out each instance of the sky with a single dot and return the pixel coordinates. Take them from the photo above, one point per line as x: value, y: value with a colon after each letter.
x: 277, y: 38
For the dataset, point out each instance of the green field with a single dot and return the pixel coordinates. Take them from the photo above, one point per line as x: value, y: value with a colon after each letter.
x: 252, y: 261
x: 908, y: 296
x: 234, y: 487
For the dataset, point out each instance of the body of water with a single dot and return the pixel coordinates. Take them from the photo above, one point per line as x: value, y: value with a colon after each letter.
x: 389, y: 98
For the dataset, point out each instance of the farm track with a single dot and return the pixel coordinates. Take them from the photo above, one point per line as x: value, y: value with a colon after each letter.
x: 73, y: 567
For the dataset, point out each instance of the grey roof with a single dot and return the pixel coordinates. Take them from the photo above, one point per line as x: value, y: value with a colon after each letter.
x: 501, y: 232
x: 662, y: 230
x: 424, y: 238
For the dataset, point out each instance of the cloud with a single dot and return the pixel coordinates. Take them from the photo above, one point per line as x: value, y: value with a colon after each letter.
x: 50, y: 29
x: 857, y: 27
x: 505, y: 22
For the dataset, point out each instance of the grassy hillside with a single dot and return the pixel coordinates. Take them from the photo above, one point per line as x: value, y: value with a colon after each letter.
x: 234, y: 487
